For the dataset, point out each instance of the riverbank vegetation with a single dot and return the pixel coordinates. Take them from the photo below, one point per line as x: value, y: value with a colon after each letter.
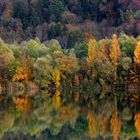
x: 89, y: 90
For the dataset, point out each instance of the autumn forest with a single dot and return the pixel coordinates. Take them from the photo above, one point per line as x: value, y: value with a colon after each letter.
x: 69, y: 70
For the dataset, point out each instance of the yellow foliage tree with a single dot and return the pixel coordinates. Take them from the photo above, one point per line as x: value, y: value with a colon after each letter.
x: 137, y: 53
x: 56, y: 100
x: 115, y: 51
x: 56, y: 77
x: 68, y: 63
x: 115, y: 125
x: 92, y: 124
x: 137, y: 123
x: 91, y: 50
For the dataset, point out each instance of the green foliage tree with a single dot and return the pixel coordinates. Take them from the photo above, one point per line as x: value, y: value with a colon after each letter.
x: 21, y: 13
x: 12, y: 67
x: 6, y: 53
x: 42, y: 70
x: 56, y: 30
x: 55, y: 9
x: 73, y: 37
x: 128, y: 44
x: 6, y: 122
x: 34, y: 49
x: 81, y: 126
x: 81, y: 49
x: 89, y: 9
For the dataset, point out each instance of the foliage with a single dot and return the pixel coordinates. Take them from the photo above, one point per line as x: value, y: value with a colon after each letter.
x: 115, y: 51
x: 24, y: 19
x: 92, y: 124
x: 35, y: 127
x: 137, y: 53
x: 56, y: 99
x: 13, y: 67
x: 22, y: 74
x: 74, y: 36
x: 76, y: 94
x: 53, y: 46
x: 68, y: 64
x: 115, y: 125
x: 56, y: 77
x: 6, y: 53
x: 6, y: 122
x: 92, y: 49
x: 56, y: 30
x: 22, y: 104
x: 81, y: 50
x: 35, y: 49
x: 137, y: 123
x: 81, y: 126
x: 42, y: 70
x: 127, y: 44
x: 55, y: 9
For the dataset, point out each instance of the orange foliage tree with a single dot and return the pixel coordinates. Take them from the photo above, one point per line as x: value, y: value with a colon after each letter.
x: 137, y: 123
x: 22, y: 104
x: 115, y: 125
x: 22, y: 74
x: 77, y: 96
x: 77, y: 81
x: 103, y: 124
x: 103, y: 49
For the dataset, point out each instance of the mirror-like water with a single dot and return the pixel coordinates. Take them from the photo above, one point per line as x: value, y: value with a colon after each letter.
x: 70, y: 114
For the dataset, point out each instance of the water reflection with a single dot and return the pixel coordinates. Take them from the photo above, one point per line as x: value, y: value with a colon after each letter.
x: 76, y: 114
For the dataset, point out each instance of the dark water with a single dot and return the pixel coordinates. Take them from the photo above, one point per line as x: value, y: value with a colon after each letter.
x: 78, y: 114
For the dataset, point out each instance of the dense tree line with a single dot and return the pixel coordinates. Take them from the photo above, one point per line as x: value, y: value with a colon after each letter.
x: 90, y: 90
x: 64, y: 74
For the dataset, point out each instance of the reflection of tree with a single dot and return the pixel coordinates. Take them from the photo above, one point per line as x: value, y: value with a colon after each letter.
x: 137, y: 123
x: 35, y: 127
x: 92, y: 124
x: 6, y: 122
x: 56, y: 99
x: 115, y: 125
x: 55, y: 119
x: 22, y: 103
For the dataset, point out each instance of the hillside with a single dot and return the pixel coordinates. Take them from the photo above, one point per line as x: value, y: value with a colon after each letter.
x: 47, y: 19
